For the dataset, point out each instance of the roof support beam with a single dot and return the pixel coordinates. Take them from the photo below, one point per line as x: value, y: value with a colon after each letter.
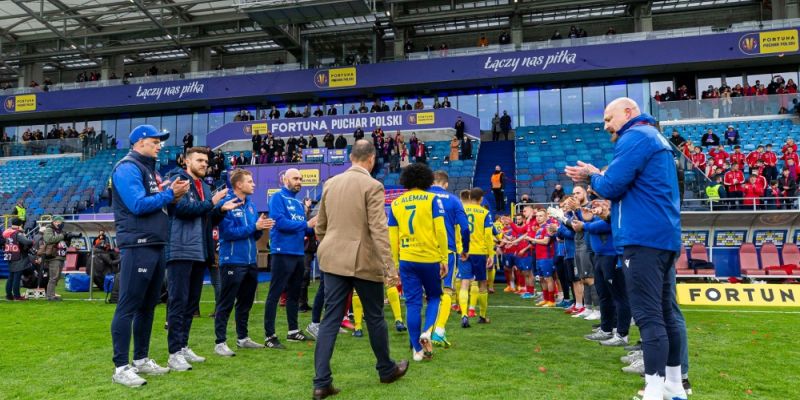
x: 55, y: 30
x: 149, y: 15
x: 76, y: 15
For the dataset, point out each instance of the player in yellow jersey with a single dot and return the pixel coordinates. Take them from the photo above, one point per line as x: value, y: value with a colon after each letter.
x: 418, y: 238
x: 498, y: 254
x: 481, y: 249
x: 394, y: 303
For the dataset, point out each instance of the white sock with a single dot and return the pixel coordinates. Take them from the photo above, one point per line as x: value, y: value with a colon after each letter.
x: 654, y: 389
x: 439, y: 331
x: 578, y: 305
x: 674, y: 375
x: 137, y: 363
x: 120, y: 369
x: 294, y: 331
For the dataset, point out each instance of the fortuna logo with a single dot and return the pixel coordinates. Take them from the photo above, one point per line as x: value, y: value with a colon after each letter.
x: 627, y: 263
x: 142, y: 270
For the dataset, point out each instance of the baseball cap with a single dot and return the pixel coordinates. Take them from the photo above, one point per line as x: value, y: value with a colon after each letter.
x: 58, y: 218
x: 146, y: 131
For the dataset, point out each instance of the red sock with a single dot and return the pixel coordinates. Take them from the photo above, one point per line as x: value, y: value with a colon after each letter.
x: 550, y: 296
x: 530, y: 289
x: 349, y: 300
x: 520, y: 280
x: 507, y: 274
x: 545, y: 295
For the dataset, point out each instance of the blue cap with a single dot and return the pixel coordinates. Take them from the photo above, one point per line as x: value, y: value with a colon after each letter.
x: 146, y: 131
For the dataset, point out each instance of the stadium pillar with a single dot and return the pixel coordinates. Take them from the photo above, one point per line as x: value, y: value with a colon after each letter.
x: 115, y: 64
x: 642, y: 17
x: 201, y: 59
x: 516, y: 30
x: 30, y: 72
x: 785, y: 9
x: 399, y: 43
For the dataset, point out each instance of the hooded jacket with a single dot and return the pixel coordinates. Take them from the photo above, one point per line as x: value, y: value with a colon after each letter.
x: 15, y: 237
x: 642, y: 186
x: 238, y: 234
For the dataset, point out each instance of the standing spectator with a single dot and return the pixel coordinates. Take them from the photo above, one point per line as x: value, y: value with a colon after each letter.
x: 256, y: 140
x: 483, y: 42
x: 454, y: 143
x: 332, y: 110
x: 495, y: 127
x: 556, y: 36
x: 752, y: 192
x: 422, y: 153
x: 407, y: 106
x: 504, y: 38
x: 396, y: 106
x: 15, y: 250
x: 699, y: 159
x: 558, y: 194
x: 754, y: 157
x: 318, y: 112
x: 418, y: 104
x: 362, y: 109
x: 710, y: 139
x: 20, y: 211
x: 443, y: 50
x: 677, y: 140
x: 737, y: 157
x: 142, y: 226
x: 611, y: 31
x: 459, y: 128
x: 505, y: 124
x: 770, y: 160
x: 414, y: 142
x: 274, y: 113
x: 358, y: 134
x: 644, y: 192
x: 498, y: 184
x: 328, y: 140
x: 239, y: 230
x: 312, y: 142
x: 734, y: 180
x: 190, y: 251
x: 731, y: 136
x: 788, y: 183
x: 341, y: 142
x: 384, y: 106
x: 188, y: 141
x: 286, y: 247
x: 368, y: 265
x: 310, y: 252
x: 446, y: 103
x: 466, y: 148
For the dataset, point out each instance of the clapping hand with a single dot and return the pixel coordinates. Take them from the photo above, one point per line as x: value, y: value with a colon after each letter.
x: 180, y: 187
x: 312, y: 222
x: 231, y: 204
x: 581, y: 172
x: 219, y: 196
x: 264, y: 223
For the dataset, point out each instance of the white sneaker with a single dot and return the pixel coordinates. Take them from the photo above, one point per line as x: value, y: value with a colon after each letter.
x: 149, y: 367
x: 189, y: 355
x: 418, y: 355
x: 248, y: 343
x: 594, y: 316
x: 313, y: 330
x: 616, y: 341
x: 178, y: 363
x: 636, y: 367
x: 223, y: 350
x: 674, y: 392
x: 128, y: 377
x: 583, y: 313
x: 631, y: 357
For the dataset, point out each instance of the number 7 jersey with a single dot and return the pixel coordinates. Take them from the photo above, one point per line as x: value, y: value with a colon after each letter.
x: 417, y: 231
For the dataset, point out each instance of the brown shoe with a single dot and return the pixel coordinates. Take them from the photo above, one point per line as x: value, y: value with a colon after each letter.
x: 400, y: 369
x: 322, y: 393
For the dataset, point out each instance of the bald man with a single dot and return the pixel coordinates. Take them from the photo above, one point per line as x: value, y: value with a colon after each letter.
x: 287, y: 256
x: 642, y: 186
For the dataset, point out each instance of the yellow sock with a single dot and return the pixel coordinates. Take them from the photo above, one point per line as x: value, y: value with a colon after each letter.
x: 463, y: 299
x: 444, y: 311
x: 473, y: 295
x: 358, y: 311
x: 394, y: 302
x: 492, y: 273
x: 483, y: 300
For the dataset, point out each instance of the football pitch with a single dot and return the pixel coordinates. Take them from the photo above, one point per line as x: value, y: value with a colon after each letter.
x: 63, y: 351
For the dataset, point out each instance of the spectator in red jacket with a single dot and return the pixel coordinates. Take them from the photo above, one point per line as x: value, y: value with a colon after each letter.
x: 789, y: 143
x: 770, y: 162
x: 737, y: 157
x: 719, y: 155
x: 734, y: 180
x: 752, y: 191
x: 699, y: 159
x: 789, y: 154
x: 754, y: 157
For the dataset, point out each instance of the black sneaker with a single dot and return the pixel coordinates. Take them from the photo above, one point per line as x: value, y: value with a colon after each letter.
x: 304, y: 308
x: 634, y: 347
x: 272, y: 342
x: 465, y: 322
x: 687, y: 386
x: 595, y: 326
x: 483, y: 320
x: 296, y: 337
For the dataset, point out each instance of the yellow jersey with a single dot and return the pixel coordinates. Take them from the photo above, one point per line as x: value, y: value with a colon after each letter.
x: 481, y: 232
x: 417, y: 230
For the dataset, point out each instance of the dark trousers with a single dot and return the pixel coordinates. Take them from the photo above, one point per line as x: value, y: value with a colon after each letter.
x: 564, y: 272
x: 337, y: 289
x: 307, y: 265
x: 184, y: 285
x: 609, y: 281
x: 499, y: 199
x: 12, y: 284
x: 287, y: 274
x: 648, y: 274
x: 140, y: 279
x: 770, y: 173
x: 239, y: 283
x: 213, y: 273
x: 319, y: 300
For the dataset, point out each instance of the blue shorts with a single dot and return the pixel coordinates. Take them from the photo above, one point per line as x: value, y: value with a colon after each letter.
x: 545, y: 267
x: 473, y: 268
x: 509, y: 261
x: 452, y: 262
x: 525, y: 263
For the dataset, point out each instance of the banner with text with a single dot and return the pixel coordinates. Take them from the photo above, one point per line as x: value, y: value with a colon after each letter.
x: 738, y: 295
x: 268, y: 180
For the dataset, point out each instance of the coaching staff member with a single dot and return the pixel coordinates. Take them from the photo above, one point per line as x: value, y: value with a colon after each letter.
x: 642, y: 186
x: 140, y: 216
x: 287, y: 247
x: 354, y: 252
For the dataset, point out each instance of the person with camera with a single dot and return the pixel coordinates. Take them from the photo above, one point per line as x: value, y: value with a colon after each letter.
x: 15, y: 252
x: 56, y: 242
x: 106, y: 260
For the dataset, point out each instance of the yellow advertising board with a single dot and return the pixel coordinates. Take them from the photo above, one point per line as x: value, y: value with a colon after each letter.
x: 727, y: 294
x: 310, y: 177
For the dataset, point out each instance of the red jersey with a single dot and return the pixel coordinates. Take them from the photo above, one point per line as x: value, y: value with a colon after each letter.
x: 733, y: 181
x: 791, y: 156
x: 739, y: 159
x: 769, y: 158
x: 545, y: 251
x: 786, y: 146
x: 762, y: 183
x: 751, y: 193
x: 753, y: 158
x: 718, y: 155
x: 699, y: 161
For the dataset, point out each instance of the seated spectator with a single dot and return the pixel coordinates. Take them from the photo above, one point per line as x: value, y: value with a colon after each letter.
x: 556, y: 36
x: 573, y: 32
x: 677, y: 140
x: 504, y: 38
x: 409, y: 46
x: 731, y: 136
x: 384, y: 106
x: 483, y: 42
x: 363, y: 108
x: 446, y: 103
x: 709, y: 139
x: 290, y: 113
x: 353, y: 110
x: 436, y: 104
x: 307, y: 111
x: 406, y: 106
x: 525, y: 199
x: 418, y: 105
x: 376, y: 107
x: 557, y: 195
x: 318, y: 112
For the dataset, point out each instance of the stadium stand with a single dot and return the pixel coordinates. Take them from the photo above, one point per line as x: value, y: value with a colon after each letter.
x: 752, y: 133
x: 461, y: 172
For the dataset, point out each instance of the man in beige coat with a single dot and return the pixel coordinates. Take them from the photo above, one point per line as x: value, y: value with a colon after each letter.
x: 354, y: 252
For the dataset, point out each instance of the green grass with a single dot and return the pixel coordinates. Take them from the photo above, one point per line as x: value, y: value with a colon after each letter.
x: 63, y: 351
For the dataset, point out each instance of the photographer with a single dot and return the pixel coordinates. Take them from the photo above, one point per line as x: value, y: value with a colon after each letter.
x: 106, y: 261
x: 15, y: 252
x: 55, y: 252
